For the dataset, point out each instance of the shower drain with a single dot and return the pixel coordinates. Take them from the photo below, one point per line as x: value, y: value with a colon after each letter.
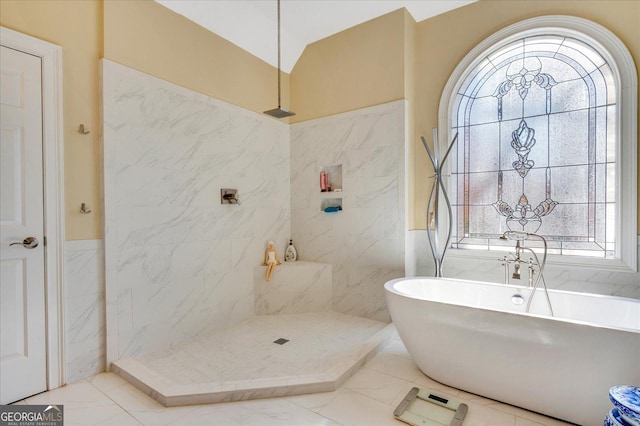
x: 281, y: 341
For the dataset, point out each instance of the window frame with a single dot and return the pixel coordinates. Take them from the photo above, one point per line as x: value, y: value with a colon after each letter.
x: 611, y: 48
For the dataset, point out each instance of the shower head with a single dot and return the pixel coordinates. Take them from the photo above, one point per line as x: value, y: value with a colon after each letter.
x: 279, y: 113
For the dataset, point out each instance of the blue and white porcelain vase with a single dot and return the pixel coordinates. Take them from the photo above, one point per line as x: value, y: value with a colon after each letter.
x: 627, y: 406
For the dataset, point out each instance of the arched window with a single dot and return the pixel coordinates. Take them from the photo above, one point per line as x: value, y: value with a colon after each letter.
x: 545, y: 112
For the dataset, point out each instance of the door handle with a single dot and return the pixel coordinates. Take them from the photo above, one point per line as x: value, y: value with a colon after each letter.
x: 28, y: 243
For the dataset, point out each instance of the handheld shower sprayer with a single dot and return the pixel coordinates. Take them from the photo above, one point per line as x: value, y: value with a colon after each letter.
x: 517, y: 235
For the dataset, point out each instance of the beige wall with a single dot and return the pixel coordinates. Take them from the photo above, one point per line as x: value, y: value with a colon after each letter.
x: 77, y: 27
x: 356, y: 68
x: 410, y: 76
x: 151, y: 38
x: 442, y: 42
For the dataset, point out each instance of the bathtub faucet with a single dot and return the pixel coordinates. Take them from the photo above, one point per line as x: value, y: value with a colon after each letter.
x: 520, y: 237
x: 517, y: 261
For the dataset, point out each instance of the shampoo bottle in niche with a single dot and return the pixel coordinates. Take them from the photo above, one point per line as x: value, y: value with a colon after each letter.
x: 290, y: 254
x: 323, y: 182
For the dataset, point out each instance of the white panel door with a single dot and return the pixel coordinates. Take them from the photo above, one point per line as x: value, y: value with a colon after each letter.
x: 22, y: 287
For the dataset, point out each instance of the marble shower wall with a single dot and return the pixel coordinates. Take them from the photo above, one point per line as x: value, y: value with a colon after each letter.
x: 177, y: 261
x: 489, y: 268
x: 84, y: 309
x: 365, y: 241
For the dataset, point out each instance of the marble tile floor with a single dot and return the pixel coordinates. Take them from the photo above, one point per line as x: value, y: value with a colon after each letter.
x: 368, y: 398
x: 320, y: 352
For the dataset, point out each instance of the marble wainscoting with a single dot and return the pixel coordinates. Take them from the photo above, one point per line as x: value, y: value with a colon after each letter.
x: 364, y: 242
x: 562, y: 277
x: 84, y: 309
x: 178, y: 262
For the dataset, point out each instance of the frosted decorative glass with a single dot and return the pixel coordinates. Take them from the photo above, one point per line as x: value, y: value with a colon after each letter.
x: 601, y: 181
x: 483, y: 111
x: 536, y: 103
x: 609, y: 81
x: 570, y: 95
x: 601, y: 97
x: 611, y: 183
x: 537, y: 147
x: 479, y: 220
x: 494, y: 78
x: 582, y: 53
x: 512, y: 106
x: 460, y: 117
x: 456, y: 119
x: 478, y: 182
x: 534, y: 185
x: 483, y: 155
x: 601, y: 224
x: 601, y: 134
x: 506, y: 54
x: 571, y: 184
x: 578, y: 65
x: 474, y: 80
x: 561, y: 71
x: 569, y: 221
x: 611, y: 134
x: 570, y: 136
x: 543, y: 43
x: 540, y: 152
x: 512, y: 185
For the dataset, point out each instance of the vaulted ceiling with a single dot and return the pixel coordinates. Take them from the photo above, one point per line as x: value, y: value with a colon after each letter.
x: 252, y: 24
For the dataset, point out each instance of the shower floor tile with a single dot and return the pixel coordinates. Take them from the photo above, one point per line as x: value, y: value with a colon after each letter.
x: 249, y: 361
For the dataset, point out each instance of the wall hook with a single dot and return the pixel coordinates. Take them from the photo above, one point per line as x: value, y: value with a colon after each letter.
x: 84, y: 210
x: 82, y: 130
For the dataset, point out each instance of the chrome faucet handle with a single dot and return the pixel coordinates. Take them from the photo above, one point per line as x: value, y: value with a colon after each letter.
x: 505, y: 262
x: 531, y: 272
x: 231, y: 198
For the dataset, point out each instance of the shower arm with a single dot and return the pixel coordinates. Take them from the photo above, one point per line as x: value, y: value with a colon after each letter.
x: 279, y: 96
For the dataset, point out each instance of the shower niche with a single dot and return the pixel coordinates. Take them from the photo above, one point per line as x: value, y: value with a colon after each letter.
x: 331, y: 188
x: 333, y: 178
x: 331, y: 205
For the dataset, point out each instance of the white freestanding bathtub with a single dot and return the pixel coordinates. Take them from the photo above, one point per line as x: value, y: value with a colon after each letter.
x: 470, y: 335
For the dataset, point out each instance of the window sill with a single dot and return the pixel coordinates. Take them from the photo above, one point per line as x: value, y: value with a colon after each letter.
x: 611, y: 265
